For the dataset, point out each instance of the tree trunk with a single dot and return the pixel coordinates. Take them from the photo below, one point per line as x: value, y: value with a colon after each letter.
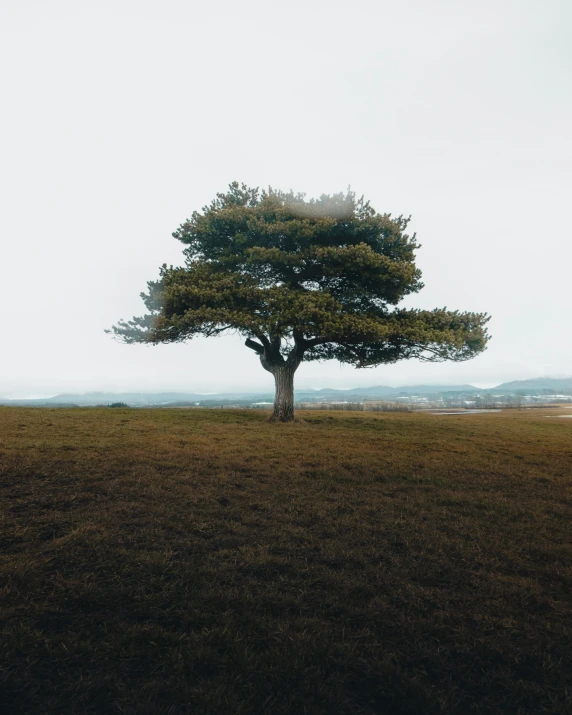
x: 283, y: 371
x: 284, y: 397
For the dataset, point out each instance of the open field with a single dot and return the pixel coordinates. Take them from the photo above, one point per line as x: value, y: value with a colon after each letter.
x: 204, y: 561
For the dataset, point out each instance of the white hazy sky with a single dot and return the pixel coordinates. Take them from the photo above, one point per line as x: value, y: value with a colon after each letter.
x: 121, y: 117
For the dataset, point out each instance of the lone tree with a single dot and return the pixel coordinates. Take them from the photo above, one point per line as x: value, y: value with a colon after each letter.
x: 301, y: 280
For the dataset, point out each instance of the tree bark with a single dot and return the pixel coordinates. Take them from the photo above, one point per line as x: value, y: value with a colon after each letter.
x: 283, y: 370
x: 284, y: 397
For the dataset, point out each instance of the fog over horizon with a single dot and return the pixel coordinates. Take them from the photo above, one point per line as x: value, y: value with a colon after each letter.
x: 122, y: 118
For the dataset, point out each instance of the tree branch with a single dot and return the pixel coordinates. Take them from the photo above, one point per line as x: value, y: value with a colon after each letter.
x: 217, y: 331
x: 264, y: 340
x: 353, y: 352
x: 316, y: 341
x: 253, y: 345
x: 300, y: 342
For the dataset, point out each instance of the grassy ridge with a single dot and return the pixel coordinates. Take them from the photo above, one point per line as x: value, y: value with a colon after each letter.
x: 174, y: 561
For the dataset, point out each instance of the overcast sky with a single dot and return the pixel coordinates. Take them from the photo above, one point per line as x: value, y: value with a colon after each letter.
x: 120, y: 117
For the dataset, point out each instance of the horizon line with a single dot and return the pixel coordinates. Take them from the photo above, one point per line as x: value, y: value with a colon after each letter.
x: 258, y: 390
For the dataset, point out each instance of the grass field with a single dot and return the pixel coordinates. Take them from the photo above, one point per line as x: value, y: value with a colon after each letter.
x: 205, y: 561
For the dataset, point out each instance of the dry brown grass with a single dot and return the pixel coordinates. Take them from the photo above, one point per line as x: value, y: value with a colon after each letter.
x: 173, y: 561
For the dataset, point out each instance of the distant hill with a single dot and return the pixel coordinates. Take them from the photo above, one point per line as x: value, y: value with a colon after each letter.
x: 159, y: 399
x: 437, y: 389
x: 92, y: 399
x: 380, y: 392
x: 537, y: 384
x: 383, y: 391
x: 135, y: 399
x: 132, y: 398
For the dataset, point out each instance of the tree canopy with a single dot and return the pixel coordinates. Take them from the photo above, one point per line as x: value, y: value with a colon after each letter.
x: 301, y: 279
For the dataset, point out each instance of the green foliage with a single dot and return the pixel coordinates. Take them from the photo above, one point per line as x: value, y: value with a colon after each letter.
x: 321, y: 278
x: 118, y: 404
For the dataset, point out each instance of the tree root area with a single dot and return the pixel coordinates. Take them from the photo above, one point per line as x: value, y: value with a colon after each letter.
x: 284, y: 420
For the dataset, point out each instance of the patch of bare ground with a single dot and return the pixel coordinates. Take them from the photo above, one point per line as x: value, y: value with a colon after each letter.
x: 170, y: 561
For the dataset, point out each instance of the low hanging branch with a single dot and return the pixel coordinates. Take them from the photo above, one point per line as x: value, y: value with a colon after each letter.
x: 257, y: 347
x: 301, y: 280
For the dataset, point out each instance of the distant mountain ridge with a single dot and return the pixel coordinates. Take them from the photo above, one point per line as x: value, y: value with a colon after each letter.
x: 539, y: 383
x: 376, y: 392
x: 163, y: 398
